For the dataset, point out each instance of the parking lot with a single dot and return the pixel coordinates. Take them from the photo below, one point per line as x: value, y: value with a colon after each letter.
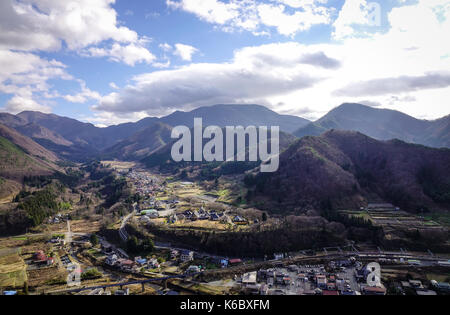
x: 304, y: 280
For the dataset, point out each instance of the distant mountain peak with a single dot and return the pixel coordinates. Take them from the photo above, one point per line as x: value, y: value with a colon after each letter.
x: 381, y: 124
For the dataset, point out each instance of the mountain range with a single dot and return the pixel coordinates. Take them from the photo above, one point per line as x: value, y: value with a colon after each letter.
x: 346, y: 169
x: 353, y: 154
x: 20, y: 156
x: 381, y: 124
x: 76, y: 140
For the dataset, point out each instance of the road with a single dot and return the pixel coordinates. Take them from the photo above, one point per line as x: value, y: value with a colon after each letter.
x: 69, y: 233
x: 122, y: 231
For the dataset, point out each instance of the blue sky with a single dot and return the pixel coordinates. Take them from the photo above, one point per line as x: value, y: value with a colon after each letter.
x: 109, y: 62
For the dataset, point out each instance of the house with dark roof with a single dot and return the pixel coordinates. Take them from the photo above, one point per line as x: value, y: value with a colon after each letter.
x: 186, y: 255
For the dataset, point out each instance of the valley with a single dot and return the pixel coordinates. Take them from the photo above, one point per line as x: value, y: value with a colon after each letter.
x: 110, y: 205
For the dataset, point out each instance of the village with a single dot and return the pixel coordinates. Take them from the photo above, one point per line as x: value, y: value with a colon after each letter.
x: 104, y: 265
x: 180, y: 202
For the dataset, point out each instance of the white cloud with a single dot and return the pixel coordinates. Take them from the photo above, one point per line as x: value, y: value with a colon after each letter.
x: 185, y: 52
x: 256, y: 16
x: 83, y: 96
x: 254, y: 74
x: 113, y: 86
x: 84, y: 26
x: 403, y: 68
x: 20, y: 103
x: 43, y: 25
x: 165, y: 47
x: 162, y: 65
x: 24, y: 75
x: 290, y: 24
x: 396, y: 85
x: 356, y: 13
x: 212, y: 11
x: 24, y: 24
x: 104, y: 119
x: 129, y: 54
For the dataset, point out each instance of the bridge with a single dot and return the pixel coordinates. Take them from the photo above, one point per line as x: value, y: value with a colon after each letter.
x: 124, y: 284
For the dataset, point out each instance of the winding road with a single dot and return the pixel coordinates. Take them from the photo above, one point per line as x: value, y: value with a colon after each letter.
x: 122, y: 231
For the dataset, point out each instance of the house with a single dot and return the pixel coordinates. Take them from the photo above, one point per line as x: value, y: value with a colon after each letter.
x: 331, y: 286
x: 264, y: 289
x: 280, y: 277
x: 381, y: 207
x: 202, y: 211
x: 327, y: 292
x: 249, y: 278
x: 58, y: 241
x: 153, y: 263
x: 302, y: 277
x: 111, y: 260
x: 374, y: 290
x: 140, y: 261
x: 186, y: 255
x: 270, y: 274
x: 174, y: 254
x: 214, y: 217
x: 122, y: 253
x: 151, y: 213
x: 240, y: 220
x: 144, y: 219
x: 39, y: 256
x: 106, y: 248
x: 441, y: 286
x: 416, y: 284
x: 125, y: 264
x: 278, y: 256
x: 42, y: 259
x: 193, y: 270
x: 122, y: 292
x: 235, y: 261
x: 224, y: 263
x: 195, y: 216
x: 321, y: 282
x: 287, y: 281
x: 262, y: 274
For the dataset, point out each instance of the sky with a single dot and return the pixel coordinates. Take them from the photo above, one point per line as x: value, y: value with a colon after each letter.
x: 114, y: 61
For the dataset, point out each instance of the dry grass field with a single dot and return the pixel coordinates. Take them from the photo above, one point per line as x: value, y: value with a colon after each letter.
x: 13, y: 271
